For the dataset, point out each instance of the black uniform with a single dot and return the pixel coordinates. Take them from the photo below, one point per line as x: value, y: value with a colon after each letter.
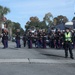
x: 18, y: 40
x: 29, y: 40
x: 24, y: 40
x: 5, y: 38
x: 44, y: 40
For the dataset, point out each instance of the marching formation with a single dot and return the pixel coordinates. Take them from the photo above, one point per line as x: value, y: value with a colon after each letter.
x: 58, y: 39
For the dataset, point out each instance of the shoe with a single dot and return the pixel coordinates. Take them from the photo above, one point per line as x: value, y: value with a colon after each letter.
x: 3, y: 48
x: 72, y: 57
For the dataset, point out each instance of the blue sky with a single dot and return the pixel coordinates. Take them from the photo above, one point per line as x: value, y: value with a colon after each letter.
x: 22, y: 10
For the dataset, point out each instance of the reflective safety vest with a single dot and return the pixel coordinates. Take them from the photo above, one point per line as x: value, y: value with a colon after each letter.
x: 68, y: 37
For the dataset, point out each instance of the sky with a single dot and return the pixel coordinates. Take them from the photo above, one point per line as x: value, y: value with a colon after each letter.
x: 22, y: 10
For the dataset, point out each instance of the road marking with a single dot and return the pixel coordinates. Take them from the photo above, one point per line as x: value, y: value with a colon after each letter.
x: 51, y: 61
x: 13, y: 60
x: 41, y: 61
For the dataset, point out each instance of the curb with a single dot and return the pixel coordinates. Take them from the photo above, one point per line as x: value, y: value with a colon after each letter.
x: 38, y: 61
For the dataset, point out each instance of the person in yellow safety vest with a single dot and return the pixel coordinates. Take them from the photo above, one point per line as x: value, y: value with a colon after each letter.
x: 68, y: 36
x: 68, y: 41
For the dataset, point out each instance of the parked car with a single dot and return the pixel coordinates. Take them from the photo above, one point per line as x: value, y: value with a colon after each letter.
x: 13, y: 39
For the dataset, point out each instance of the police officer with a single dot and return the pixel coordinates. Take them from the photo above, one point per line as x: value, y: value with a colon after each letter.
x: 68, y: 41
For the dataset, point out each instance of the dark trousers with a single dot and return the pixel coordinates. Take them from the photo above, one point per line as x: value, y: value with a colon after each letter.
x: 18, y: 43
x: 68, y: 47
x: 44, y: 43
x: 24, y: 43
x: 29, y: 43
x: 5, y: 43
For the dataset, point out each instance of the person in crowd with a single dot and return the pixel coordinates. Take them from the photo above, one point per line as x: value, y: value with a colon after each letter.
x: 5, y: 36
x: 29, y: 39
x: 58, y: 39
x: 44, y: 39
x: 39, y: 39
x: 24, y: 40
x: 36, y: 39
x: 52, y: 39
x: 18, y: 45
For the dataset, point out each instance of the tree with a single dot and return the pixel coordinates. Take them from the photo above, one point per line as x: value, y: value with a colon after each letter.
x: 65, y: 19
x: 33, y: 23
x: 3, y: 11
x: 15, y: 27
x: 34, y: 19
x: 48, y: 19
x: 22, y: 31
x: 55, y: 21
x: 60, y: 19
x: 9, y: 24
x: 73, y: 18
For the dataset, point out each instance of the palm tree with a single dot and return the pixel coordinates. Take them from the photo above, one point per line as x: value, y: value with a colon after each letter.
x: 3, y: 11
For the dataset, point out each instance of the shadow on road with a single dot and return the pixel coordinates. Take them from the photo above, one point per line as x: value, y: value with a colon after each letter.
x: 53, y: 55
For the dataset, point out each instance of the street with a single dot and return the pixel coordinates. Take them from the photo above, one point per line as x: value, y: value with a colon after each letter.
x: 24, y: 61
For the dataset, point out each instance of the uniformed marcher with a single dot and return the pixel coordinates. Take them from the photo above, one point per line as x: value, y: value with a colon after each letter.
x: 5, y: 36
x: 18, y: 45
x: 29, y: 39
x: 24, y: 40
x: 68, y: 41
x: 44, y: 40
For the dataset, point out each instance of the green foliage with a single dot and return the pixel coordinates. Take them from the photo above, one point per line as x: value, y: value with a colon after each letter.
x: 73, y: 18
x: 48, y: 18
x: 9, y: 23
x: 17, y: 26
x: 21, y: 31
x: 37, y: 25
x: 34, y: 22
x: 3, y: 11
x: 14, y: 26
x: 60, y: 19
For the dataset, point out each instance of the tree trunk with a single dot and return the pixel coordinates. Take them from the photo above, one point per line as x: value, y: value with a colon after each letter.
x: 10, y: 33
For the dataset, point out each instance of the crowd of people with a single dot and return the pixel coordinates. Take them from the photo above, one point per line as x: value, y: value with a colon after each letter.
x: 54, y: 39
x: 58, y: 39
x: 41, y: 39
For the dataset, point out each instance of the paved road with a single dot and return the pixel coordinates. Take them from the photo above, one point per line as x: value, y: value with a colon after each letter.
x: 36, y: 69
x: 34, y: 61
